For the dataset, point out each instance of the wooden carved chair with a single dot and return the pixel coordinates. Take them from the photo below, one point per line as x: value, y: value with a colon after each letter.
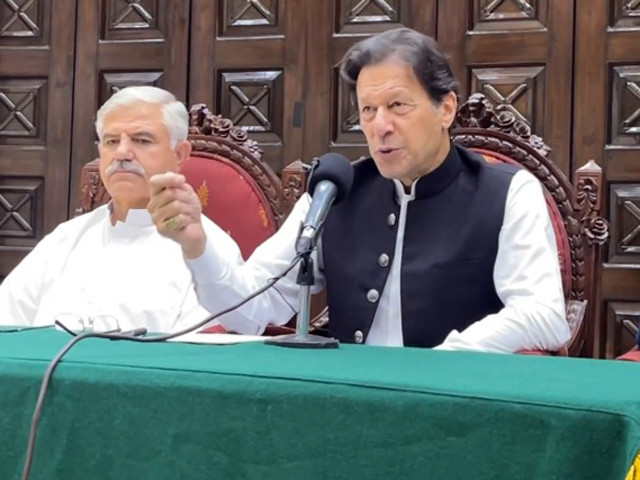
x: 499, y: 136
x: 237, y: 190
x: 575, y: 211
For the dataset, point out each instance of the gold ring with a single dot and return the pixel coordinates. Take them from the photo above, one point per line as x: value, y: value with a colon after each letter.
x: 172, y: 223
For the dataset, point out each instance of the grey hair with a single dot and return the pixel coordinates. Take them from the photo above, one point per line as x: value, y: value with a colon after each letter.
x: 417, y: 50
x: 174, y: 113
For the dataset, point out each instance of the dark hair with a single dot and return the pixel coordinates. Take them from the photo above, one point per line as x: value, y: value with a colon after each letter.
x: 419, y: 51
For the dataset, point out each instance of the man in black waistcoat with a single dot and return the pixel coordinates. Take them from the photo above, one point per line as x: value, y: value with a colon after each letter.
x: 433, y: 247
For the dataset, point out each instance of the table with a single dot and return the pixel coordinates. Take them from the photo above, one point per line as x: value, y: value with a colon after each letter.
x: 123, y: 410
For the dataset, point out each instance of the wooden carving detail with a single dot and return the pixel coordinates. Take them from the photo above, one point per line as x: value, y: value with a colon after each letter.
x: 589, y: 186
x: 217, y: 135
x: 625, y: 105
x: 92, y: 191
x: 294, y: 181
x: 626, y: 14
x: 21, y: 20
x: 251, y: 14
x: 22, y: 109
x: 19, y: 207
x: 478, y: 112
x: 491, y: 10
x: 373, y: 11
x: 133, y: 19
x: 203, y: 122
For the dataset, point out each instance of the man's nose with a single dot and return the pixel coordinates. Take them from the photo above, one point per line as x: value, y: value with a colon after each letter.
x: 124, y: 147
x: 383, y: 124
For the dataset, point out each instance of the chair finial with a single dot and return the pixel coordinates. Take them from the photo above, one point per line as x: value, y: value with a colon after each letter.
x: 479, y: 112
x: 203, y: 122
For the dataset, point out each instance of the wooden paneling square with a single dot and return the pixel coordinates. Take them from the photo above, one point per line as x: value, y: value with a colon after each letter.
x: 625, y: 105
x: 624, y: 217
x: 23, y: 111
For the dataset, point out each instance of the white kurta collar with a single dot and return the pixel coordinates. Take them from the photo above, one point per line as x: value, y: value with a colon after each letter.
x: 136, y: 217
x: 400, y: 192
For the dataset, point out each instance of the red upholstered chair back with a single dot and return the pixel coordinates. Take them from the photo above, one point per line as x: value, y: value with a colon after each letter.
x: 232, y: 199
x: 498, y: 135
x: 237, y: 190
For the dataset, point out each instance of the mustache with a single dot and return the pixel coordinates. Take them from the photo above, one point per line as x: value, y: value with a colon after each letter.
x: 128, y: 166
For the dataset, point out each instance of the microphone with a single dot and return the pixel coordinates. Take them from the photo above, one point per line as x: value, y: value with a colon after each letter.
x: 330, y: 180
x: 329, y: 183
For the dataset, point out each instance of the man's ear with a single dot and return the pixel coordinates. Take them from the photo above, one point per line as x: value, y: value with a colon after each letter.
x: 448, y: 107
x: 183, y: 150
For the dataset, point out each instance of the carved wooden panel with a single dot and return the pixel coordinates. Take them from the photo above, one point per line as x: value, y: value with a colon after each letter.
x: 625, y: 14
x: 622, y: 324
x: 251, y: 17
x: 519, y: 90
x: 246, y: 52
x: 21, y: 207
x: 23, y: 110
x: 133, y: 19
x: 625, y: 105
x: 519, y: 53
x: 37, y: 41
x: 606, y: 128
x: 253, y: 101
x: 360, y: 16
x: 504, y: 15
x: 624, y: 215
x: 22, y: 19
x: 110, y: 83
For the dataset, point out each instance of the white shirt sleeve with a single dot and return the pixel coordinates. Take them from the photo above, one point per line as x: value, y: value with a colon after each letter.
x: 527, y: 279
x: 222, y: 279
x: 22, y: 289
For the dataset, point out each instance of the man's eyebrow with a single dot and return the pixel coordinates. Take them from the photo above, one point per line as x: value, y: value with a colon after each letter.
x: 391, y: 92
x: 143, y: 133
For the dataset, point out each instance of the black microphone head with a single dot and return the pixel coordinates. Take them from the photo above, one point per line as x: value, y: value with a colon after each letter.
x: 335, y: 168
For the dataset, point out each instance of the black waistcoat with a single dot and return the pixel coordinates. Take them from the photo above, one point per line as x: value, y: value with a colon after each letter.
x: 450, y: 247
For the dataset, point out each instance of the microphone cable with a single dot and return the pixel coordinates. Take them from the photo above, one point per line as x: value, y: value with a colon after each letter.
x: 35, y: 419
x: 133, y: 335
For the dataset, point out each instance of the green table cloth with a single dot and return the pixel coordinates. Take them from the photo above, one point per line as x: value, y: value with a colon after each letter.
x: 124, y: 410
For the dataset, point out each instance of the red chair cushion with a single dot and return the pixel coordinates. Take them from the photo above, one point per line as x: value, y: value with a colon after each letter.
x: 232, y: 199
x: 630, y: 356
x: 562, y: 241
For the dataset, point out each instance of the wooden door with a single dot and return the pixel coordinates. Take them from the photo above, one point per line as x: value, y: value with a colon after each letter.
x: 519, y: 53
x: 36, y: 87
x: 122, y: 43
x: 247, y: 63
x: 606, y: 128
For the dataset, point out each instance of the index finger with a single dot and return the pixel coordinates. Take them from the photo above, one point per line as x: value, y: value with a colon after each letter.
x: 160, y: 181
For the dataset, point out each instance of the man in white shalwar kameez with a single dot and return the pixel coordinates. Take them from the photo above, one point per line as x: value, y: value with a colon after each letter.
x: 112, y: 263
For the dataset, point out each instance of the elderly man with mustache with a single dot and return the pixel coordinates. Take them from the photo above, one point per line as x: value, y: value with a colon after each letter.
x: 111, y: 267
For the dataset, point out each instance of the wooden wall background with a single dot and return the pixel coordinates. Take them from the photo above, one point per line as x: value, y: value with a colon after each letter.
x: 570, y: 67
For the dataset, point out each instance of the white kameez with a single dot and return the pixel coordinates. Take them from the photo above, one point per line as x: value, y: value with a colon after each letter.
x: 89, y: 267
x: 526, y: 277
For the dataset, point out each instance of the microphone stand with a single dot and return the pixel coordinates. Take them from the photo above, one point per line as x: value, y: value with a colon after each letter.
x: 302, y: 338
